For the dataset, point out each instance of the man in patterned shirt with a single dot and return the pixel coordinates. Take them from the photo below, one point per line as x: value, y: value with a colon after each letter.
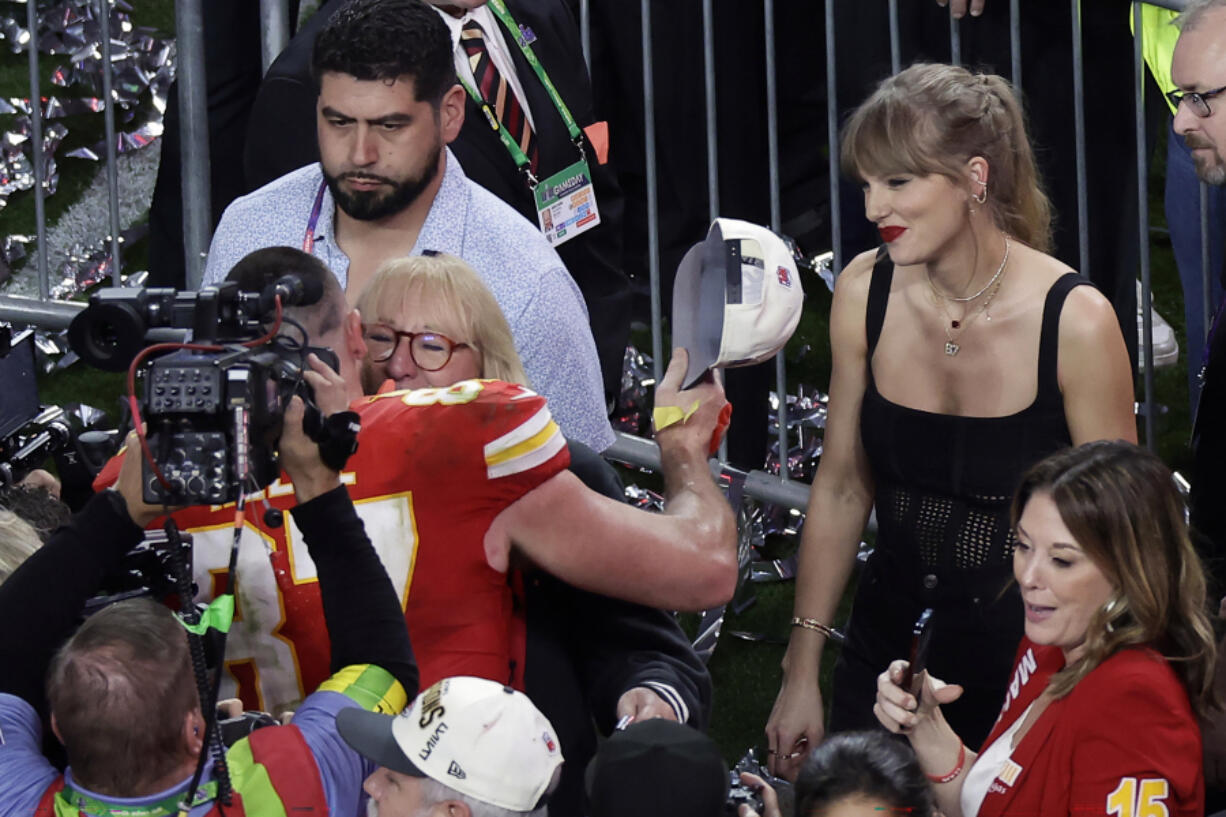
x: 388, y: 186
x: 477, y: 473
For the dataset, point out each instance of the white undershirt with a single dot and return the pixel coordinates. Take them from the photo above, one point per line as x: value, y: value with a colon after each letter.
x: 494, y: 43
x: 987, y: 768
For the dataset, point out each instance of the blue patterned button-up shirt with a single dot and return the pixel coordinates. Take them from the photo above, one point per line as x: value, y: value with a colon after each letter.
x: 541, y: 302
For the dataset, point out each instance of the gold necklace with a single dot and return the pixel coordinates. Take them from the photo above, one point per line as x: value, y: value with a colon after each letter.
x: 999, y: 271
x: 951, y: 346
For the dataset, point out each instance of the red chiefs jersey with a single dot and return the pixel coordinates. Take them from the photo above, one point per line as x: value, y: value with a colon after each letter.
x: 434, y: 467
x: 1123, y: 743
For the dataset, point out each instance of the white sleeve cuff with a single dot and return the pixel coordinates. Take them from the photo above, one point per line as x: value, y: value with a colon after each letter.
x: 671, y: 697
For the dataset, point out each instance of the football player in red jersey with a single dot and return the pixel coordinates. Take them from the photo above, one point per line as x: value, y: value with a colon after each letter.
x: 477, y: 472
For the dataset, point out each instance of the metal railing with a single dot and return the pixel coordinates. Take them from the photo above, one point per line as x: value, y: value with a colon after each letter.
x: 196, y: 209
x: 832, y: 123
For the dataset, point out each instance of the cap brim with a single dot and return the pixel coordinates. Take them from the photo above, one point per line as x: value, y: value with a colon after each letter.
x: 370, y: 735
x: 698, y: 304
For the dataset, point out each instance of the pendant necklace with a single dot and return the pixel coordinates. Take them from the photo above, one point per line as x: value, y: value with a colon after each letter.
x: 991, y: 288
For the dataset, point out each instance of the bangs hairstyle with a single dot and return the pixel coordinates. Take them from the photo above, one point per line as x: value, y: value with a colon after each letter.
x: 449, y: 293
x: 1121, y: 505
x: 931, y: 120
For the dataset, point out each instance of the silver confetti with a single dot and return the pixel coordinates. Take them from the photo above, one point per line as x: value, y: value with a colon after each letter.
x: 142, y: 69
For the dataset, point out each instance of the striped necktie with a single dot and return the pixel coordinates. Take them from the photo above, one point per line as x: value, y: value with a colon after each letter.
x: 494, y: 89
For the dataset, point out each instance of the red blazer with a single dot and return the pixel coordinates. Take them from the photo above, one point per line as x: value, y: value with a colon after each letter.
x: 1123, y: 743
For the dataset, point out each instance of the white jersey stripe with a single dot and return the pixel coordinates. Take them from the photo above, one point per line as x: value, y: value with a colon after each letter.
x: 532, y: 458
x: 524, y: 431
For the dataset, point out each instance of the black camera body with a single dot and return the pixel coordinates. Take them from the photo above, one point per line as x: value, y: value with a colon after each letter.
x: 212, y: 407
x: 214, y: 417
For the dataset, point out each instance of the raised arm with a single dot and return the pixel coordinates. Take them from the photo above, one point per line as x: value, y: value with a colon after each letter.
x: 1094, y: 372
x: 683, y: 559
x: 941, y: 753
x: 839, y: 504
x: 630, y: 659
x: 47, y: 592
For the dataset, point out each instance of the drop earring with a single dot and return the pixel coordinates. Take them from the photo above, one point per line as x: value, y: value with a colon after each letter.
x: 1109, y: 612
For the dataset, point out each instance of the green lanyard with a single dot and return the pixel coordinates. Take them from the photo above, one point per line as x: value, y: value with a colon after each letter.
x: 162, y: 808
x: 521, y: 161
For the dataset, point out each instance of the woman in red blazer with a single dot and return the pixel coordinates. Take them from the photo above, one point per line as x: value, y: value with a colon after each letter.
x: 1100, y: 716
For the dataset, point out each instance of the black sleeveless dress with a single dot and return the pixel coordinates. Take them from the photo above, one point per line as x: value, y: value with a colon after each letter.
x: 944, y: 485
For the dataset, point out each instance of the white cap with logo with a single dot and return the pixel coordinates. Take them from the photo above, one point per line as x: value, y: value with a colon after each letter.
x: 736, y: 299
x: 483, y: 739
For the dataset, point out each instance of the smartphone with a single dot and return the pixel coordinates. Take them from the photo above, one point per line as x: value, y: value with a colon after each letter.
x: 921, y: 645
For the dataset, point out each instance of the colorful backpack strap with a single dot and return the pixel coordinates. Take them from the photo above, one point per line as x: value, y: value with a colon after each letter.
x: 269, y: 769
x: 46, y: 806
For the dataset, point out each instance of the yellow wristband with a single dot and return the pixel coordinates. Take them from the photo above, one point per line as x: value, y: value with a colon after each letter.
x: 664, y: 416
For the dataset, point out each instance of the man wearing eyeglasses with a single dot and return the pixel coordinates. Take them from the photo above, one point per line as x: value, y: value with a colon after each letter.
x: 1199, y: 73
x: 1198, y: 70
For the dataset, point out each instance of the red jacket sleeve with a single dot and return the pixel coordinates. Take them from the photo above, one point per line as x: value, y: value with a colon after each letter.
x: 1148, y: 763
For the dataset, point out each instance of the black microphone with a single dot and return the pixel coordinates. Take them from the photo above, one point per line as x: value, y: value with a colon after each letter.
x: 294, y: 291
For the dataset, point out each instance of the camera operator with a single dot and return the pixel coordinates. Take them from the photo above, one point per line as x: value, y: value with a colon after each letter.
x: 122, y: 694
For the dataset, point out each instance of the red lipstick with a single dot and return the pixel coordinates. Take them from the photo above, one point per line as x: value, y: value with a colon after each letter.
x: 889, y: 234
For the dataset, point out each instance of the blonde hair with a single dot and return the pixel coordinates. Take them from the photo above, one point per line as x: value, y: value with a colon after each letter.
x: 451, y: 291
x: 1121, y: 506
x: 18, y: 540
x: 932, y: 119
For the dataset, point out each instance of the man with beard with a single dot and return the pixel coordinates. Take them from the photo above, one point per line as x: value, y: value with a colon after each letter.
x: 387, y: 186
x: 1198, y: 70
x: 516, y: 34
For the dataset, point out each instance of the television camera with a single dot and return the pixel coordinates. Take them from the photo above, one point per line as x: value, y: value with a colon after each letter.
x: 215, y: 381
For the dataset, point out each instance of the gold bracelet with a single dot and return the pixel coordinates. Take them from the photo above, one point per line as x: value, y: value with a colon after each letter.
x: 813, y: 624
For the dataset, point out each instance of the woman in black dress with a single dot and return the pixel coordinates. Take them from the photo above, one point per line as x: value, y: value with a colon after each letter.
x: 963, y: 353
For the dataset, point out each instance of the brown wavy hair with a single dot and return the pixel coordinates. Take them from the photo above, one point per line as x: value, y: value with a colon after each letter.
x: 1121, y: 505
x: 932, y: 119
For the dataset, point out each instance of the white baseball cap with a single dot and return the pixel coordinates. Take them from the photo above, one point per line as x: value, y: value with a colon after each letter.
x: 483, y: 739
x: 736, y: 299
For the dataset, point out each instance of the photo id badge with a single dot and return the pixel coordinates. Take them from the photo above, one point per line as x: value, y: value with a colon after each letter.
x: 566, y: 203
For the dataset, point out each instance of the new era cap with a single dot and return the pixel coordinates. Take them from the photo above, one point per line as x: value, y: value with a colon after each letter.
x: 481, y: 738
x: 736, y: 298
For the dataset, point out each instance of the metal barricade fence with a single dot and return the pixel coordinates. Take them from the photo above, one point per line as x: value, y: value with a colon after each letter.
x: 275, y: 20
x: 836, y: 217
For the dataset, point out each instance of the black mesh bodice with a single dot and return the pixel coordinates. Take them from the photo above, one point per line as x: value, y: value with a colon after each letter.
x: 945, y: 483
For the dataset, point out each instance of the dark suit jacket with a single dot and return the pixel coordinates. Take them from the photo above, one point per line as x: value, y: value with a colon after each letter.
x: 585, y: 650
x: 281, y: 137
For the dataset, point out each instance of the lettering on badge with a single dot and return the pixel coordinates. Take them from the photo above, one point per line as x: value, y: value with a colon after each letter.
x: 573, y: 183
